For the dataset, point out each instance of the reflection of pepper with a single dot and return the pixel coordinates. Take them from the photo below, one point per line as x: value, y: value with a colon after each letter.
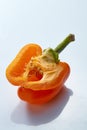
x: 40, y: 75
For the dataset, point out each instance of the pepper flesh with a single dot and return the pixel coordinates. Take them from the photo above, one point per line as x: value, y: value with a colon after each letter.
x: 40, y: 75
x: 16, y: 68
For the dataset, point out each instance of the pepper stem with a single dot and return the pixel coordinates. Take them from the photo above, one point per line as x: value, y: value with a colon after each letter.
x: 64, y: 43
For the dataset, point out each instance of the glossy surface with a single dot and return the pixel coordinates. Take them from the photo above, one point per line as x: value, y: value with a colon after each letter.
x: 46, y: 22
x: 36, y: 89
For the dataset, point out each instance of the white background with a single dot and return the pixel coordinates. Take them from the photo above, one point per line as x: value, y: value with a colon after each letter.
x: 46, y: 22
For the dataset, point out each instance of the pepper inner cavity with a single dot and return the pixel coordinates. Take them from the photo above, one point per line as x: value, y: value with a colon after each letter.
x: 32, y: 71
x: 36, y: 68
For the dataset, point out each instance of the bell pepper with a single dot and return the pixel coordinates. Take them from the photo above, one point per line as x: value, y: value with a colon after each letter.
x: 39, y: 74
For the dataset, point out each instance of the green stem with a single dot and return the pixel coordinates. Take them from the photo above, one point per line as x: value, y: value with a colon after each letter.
x: 64, y: 43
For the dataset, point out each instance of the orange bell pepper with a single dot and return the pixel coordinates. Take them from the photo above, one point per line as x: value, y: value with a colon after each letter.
x: 40, y: 74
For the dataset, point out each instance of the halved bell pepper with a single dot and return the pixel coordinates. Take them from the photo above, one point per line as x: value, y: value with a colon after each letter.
x: 39, y: 74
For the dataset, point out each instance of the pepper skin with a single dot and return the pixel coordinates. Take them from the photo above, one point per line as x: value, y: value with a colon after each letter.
x: 39, y: 74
